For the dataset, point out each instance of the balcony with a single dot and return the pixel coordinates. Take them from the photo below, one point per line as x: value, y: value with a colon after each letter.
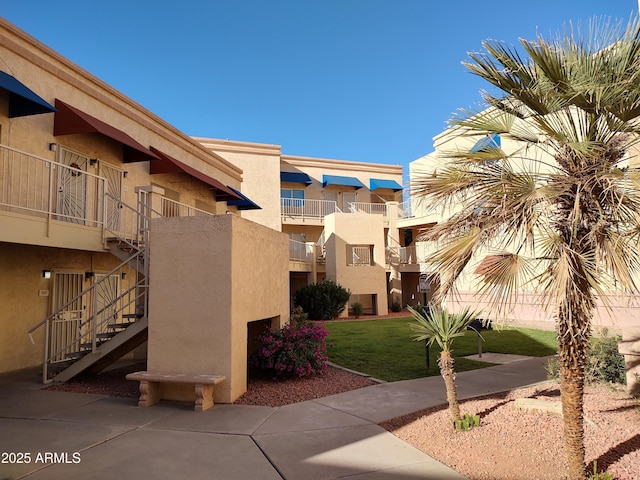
x: 307, y: 211
x: 301, y: 256
x: 300, y: 251
x: 43, y: 202
x: 47, y: 203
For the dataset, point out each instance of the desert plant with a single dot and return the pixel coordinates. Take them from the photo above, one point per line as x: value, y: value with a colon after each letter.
x: 467, y: 422
x: 437, y: 325
x: 357, y: 309
x: 604, y: 364
x: 322, y: 301
x: 299, y: 349
x: 561, y: 203
x: 595, y: 475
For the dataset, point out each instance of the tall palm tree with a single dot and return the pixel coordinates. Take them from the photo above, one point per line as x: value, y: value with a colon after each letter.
x: 555, y: 205
x: 437, y: 325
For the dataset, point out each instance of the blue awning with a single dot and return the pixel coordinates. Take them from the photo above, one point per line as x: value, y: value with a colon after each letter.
x: 338, y: 181
x: 295, y: 177
x: 377, y: 184
x: 244, y: 204
x: 23, y: 101
x: 490, y: 141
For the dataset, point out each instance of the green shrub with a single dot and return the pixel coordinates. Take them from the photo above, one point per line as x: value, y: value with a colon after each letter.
x: 357, y: 309
x: 604, y: 363
x: 322, y: 301
x: 395, y: 305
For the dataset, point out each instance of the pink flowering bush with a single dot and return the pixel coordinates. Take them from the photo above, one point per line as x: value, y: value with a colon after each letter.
x: 299, y: 349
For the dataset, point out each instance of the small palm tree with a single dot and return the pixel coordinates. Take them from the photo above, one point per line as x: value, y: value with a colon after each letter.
x: 438, y: 325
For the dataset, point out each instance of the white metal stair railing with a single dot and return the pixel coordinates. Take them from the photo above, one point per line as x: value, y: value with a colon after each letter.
x: 99, y: 313
x: 399, y: 255
x: 392, y: 251
x: 82, y: 324
x: 320, y: 244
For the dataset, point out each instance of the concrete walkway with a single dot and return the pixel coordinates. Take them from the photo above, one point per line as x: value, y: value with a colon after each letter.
x: 69, y: 436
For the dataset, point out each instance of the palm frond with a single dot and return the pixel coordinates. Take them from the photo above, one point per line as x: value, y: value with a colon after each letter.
x: 437, y: 325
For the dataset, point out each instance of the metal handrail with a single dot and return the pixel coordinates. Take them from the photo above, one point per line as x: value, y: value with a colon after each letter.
x: 172, y: 208
x: 131, y: 228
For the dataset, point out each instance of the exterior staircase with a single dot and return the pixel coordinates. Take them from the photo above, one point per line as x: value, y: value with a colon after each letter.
x: 108, y: 319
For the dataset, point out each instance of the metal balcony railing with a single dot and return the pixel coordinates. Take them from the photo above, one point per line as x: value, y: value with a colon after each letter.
x: 300, y: 251
x: 35, y: 186
x: 171, y: 208
x: 370, y: 208
x: 307, y: 209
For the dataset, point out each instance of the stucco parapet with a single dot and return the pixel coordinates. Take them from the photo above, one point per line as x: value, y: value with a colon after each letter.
x: 326, y: 163
x: 236, y: 146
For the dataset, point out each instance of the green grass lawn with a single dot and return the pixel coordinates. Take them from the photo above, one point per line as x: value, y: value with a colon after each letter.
x: 385, y: 350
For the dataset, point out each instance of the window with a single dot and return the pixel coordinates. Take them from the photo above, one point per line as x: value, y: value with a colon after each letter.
x: 292, y: 197
x: 360, y: 255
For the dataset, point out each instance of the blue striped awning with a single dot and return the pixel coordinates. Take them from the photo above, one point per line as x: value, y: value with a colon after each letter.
x: 295, y: 177
x: 338, y: 181
x: 22, y: 100
x: 245, y: 203
x: 378, y: 184
x: 490, y: 141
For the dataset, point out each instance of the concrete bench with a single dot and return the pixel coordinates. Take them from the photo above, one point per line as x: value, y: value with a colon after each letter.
x: 151, y: 382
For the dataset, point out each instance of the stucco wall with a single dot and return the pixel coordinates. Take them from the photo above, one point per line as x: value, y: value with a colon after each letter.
x: 260, y: 164
x: 25, y: 296
x: 342, y: 229
x: 210, y: 276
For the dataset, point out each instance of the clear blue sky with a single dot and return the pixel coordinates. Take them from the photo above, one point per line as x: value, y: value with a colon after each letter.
x: 364, y: 80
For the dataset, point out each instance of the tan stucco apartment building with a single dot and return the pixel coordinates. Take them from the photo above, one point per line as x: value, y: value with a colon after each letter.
x: 116, y: 228
x: 120, y: 235
x: 346, y: 221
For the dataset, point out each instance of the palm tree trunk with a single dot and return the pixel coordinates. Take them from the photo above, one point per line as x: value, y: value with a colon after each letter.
x: 574, y: 333
x: 572, y: 394
x: 449, y: 376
